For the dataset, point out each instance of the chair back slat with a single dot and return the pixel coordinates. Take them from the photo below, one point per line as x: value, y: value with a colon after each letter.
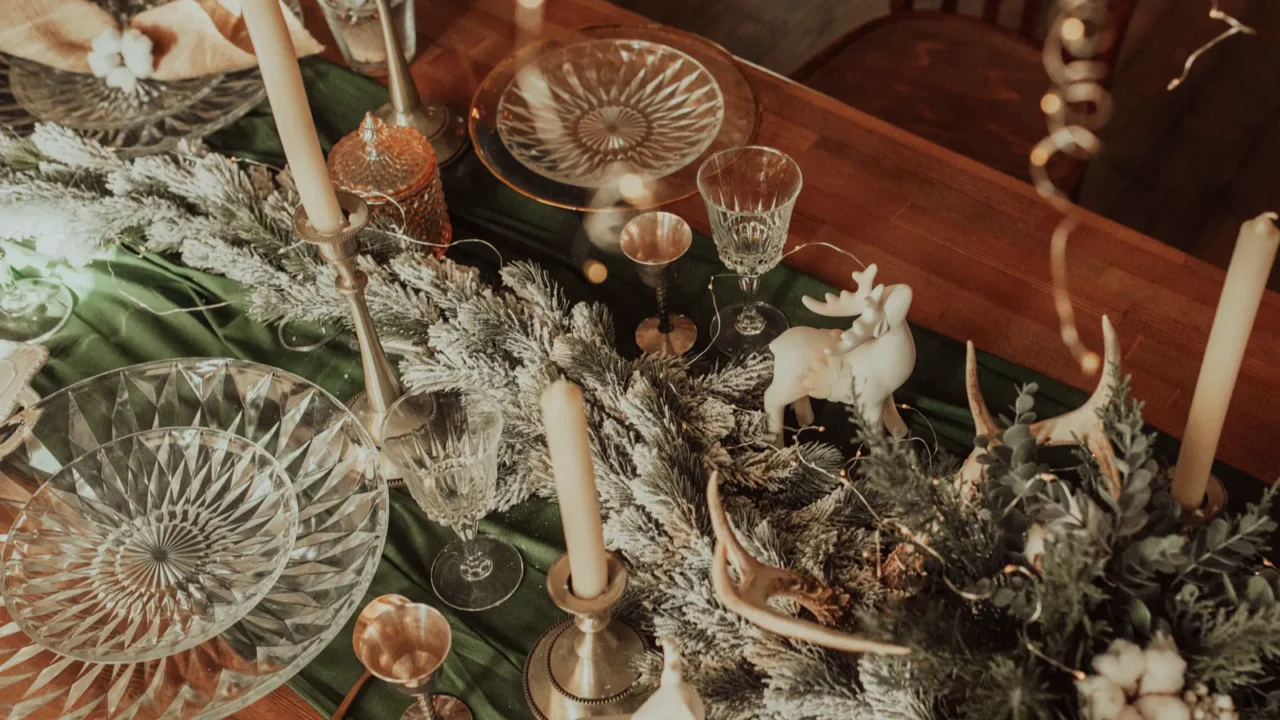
x: 991, y: 11
x: 1030, y: 26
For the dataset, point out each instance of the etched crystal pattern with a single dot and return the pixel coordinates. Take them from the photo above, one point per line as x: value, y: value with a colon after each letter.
x: 342, y: 522
x: 149, y: 545
x: 594, y: 110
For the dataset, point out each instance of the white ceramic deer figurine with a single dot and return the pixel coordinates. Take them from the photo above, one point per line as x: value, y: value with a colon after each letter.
x: 869, y: 361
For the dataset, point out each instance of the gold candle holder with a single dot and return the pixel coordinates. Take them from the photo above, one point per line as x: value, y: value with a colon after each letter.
x: 439, y: 123
x: 582, y: 667
x: 381, y: 386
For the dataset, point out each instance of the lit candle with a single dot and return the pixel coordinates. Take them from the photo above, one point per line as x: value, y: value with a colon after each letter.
x: 565, y: 418
x: 283, y: 80
x: 1242, y: 292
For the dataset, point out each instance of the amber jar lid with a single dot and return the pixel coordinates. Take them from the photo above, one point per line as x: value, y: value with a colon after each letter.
x: 378, y: 160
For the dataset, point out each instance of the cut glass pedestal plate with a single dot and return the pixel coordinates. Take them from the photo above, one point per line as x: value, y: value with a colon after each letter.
x: 342, y: 512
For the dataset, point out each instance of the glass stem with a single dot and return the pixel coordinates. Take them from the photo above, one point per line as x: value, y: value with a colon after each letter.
x: 428, y: 707
x: 475, y: 564
x: 750, y: 321
x: 664, y: 317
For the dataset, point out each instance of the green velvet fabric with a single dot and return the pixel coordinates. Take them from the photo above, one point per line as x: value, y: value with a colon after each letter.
x: 111, y: 329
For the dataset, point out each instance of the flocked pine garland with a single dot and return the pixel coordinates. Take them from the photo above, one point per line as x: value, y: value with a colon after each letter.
x: 1039, y: 598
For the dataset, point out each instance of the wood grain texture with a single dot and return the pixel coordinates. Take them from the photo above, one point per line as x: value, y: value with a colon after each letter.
x: 953, y: 79
x: 972, y: 240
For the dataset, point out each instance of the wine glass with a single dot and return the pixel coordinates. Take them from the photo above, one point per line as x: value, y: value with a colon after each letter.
x: 405, y: 643
x: 445, y: 445
x: 32, y: 309
x: 654, y: 241
x: 749, y: 193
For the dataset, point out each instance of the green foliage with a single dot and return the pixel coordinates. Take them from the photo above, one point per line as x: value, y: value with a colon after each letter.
x: 1039, y: 570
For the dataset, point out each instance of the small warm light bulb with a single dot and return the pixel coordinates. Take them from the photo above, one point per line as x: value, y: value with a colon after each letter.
x: 1090, y: 363
x: 1073, y: 29
x: 631, y: 186
x: 1050, y: 103
x: 1039, y: 157
x: 595, y: 271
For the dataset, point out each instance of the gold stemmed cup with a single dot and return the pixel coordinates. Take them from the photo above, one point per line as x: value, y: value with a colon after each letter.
x: 404, y: 643
x: 654, y: 241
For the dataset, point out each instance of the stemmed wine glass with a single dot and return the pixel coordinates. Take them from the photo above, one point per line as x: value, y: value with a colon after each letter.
x: 404, y: 644
x: 31, y: 309
x: 445, y: 445
x: 749, y: 193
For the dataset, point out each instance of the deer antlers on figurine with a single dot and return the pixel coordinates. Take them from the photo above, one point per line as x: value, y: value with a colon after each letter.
x: 749, y: 598
x: 1082, y: 426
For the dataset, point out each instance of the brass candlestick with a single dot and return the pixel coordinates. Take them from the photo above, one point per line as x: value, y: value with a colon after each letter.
x: 381, y: 386
x: 582, y: 667
x: 438, y: 122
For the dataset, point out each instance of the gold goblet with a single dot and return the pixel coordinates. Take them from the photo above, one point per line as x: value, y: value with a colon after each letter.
x: 654, y: 241
x: 404, y: 644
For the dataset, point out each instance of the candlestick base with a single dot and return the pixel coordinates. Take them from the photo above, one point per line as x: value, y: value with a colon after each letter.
x: 439, y: 123
x: 1215, y: 501
x: 582, y: 667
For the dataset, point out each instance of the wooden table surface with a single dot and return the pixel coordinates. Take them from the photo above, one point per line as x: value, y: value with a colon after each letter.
x: 972, y: 241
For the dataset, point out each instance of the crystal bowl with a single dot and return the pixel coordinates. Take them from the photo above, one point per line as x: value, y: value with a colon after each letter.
x: 149, y: 545
x: 587, y: 113
x: 342, y: 524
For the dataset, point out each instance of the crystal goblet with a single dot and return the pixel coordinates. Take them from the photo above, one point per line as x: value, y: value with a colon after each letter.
x: 149, y: 545
x: 445, y: 445
x: 404, y: 644
x: 654, y: 241
x: 749, y: 193
x: 33, y: 309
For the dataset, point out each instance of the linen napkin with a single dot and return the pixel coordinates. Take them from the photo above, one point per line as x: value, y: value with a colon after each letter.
x: 189, y: 38
x: 19, y: 362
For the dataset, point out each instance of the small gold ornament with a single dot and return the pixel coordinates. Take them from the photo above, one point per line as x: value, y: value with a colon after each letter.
x: 394, y: 170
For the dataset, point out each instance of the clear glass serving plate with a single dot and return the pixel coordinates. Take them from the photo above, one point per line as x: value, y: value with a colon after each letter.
x: 152, y: 120
x: 149, y: 545
x: 593, y: 110
x: 562, y: 119
x: 342, y: 523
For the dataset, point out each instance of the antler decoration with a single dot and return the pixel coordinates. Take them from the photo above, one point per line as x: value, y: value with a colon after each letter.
x: 1083, y: 425
x: 847, y: 304
x: 759, y: 583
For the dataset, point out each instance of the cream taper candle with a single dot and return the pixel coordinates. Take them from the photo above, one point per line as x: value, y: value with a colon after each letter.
x: 283, y: 80
x: 1242, y: 292
x: 565, y: 418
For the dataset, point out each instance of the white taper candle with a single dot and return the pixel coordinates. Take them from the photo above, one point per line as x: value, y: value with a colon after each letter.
x: 1251, y: 262
x: 565, y: 418
x: 283, y: 80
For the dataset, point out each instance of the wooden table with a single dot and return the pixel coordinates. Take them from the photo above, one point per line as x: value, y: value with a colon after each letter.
x: 972, y: 241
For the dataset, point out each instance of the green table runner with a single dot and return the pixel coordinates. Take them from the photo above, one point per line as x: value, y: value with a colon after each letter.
x: 111, y: 328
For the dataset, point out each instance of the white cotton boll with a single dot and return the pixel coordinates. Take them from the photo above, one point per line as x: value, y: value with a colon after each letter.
x: 123, y: 79
x: 1165, y: 671
x: 1037, y: 536
x: 100, y: 64
x: 1162, y: 707
x: 136, y: 48
x: 106, y: 43
x: 1123, y: 663
x: 1104, y: 699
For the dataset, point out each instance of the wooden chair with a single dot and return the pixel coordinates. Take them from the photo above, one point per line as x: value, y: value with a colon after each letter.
x: 963, y: 82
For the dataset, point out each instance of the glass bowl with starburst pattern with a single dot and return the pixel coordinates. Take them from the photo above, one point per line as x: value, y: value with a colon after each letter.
x: 611, y: 117
x: 149, y: 545
x: 585, y: 112
x: 153, y: 119
x: 342, y: 514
